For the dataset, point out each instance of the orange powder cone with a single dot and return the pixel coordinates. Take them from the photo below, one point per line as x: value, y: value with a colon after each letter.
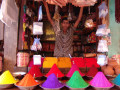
x: 28, y: 80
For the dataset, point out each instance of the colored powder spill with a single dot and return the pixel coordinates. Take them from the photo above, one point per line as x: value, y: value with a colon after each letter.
x: 7, y: 78
x: 73, y: 69
x: 56, y: 71
x: 92, y: 72
x: 52, y: 82
x: 76, y: 81
x: 28, y: 80
x: 100, y: 81
x: 35, y: 71
x: 116, y: 81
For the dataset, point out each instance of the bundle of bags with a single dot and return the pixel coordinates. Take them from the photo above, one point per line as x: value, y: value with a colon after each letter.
x: 79, y: 3
x: 58, y: 2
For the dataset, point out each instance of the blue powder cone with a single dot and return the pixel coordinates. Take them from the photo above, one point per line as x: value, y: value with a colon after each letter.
x: 52, y: 82
x: 116, y: 81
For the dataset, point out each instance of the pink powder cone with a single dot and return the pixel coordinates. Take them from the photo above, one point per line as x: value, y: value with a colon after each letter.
x: 56, y: 71
x: 73, y: 69
x: 100, y: 81
x: 92, y: 71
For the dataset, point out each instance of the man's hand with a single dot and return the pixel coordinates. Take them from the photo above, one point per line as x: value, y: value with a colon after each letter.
x: 47, y: 11
x: 79, y: 17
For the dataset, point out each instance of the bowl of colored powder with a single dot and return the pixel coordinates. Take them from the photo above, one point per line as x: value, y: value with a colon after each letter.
x: 26, y: 87
x: 6, y: 86
x: 19, y: 75
x: 27, y: 83
x: 15, y: 74
x: 7, y: 80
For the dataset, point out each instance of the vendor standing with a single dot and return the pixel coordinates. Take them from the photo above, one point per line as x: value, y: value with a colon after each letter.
x: 64, y: 40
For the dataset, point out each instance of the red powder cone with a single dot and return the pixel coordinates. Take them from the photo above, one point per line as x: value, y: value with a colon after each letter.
x: 56, y: 71
x: 92, y: 71
x: 73, y: 69
x: 28, y: 80
x: 35, y: 71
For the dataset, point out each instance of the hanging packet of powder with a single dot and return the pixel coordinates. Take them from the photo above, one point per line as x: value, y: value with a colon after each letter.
x: 40, y: 13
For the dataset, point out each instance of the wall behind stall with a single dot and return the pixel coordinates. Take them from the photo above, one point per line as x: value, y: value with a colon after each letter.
x: 114, y: 48
x: 10, y: 44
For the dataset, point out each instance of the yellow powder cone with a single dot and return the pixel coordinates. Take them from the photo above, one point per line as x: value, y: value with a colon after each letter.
x: 7, y: 78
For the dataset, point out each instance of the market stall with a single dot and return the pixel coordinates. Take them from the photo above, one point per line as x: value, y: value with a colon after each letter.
x: 49, y: 56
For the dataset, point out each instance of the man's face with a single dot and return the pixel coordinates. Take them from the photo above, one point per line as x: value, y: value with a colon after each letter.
x: 65, y: 24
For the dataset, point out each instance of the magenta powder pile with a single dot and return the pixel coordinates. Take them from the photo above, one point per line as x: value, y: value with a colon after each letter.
x: 100, y: 81
x: 52, y: 82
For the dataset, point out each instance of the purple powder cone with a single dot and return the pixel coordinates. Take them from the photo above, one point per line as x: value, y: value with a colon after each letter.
x: 52, y: 82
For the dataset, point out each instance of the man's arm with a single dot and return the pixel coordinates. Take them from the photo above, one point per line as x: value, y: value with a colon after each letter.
x: 47, y: 11
x: 79, y: 18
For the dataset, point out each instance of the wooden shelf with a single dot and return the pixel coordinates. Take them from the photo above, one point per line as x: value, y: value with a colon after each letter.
x: 88, y: 44
x: 88, y: 31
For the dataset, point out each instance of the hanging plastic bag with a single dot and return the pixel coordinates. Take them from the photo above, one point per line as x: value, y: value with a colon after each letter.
x: 36, y: 45
x: 101, y: 60
x: 103, y: 10
x: 101, y: 31
x: 40, y: 13
x: 38, y: 28
x: 57, y: 18
x: 102, y: 46
x: 9, y: 12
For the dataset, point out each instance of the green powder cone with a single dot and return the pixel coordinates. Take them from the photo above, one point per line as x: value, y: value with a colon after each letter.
x: 76, y: 81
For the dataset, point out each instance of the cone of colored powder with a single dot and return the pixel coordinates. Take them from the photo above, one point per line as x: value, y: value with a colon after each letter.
x: 116, y: 81
x: 7, y: 78
x: 100, y: 81
x: 35, y: 71
x: 92, y: 71
x: 52, y: 82
x: 56, y: 71
x: 73, y: 69
x: 28, y: 80
x: 76, y: 81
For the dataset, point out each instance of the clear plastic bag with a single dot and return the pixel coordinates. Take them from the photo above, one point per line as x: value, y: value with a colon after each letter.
x: 38, y: 28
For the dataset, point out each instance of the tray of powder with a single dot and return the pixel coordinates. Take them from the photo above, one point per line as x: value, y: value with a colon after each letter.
x: 100, y: 81
x: 7, y: 80
x: 35, y: 71
x: 52, y: 83
x: 56, y: 71
x: 92, y: 71
x: 15, y: 74
x: 27, y: 82
x: 76, y: 81
x: 116, y: 81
